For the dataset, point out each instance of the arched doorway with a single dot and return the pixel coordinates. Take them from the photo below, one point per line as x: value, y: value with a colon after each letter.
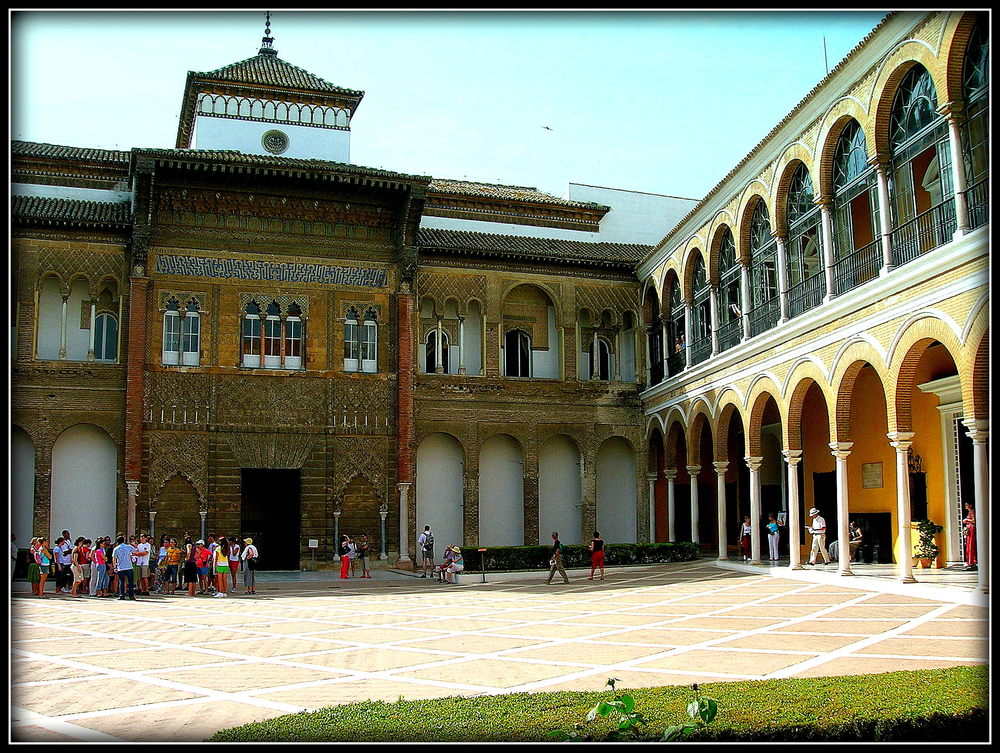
x: 439, y: 490
x: 559, y: 490
x: 84, y: 482
x: 616, y: 494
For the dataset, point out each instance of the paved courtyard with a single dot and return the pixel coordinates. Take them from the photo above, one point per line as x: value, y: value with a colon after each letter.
x: 173, y: 668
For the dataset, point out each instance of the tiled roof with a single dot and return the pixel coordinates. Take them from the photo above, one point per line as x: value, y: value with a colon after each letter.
x: 542, y: 248
x: 69, y: 211
x: 270, y: 70
x: 36, y: 149
x: 284, y: 164
x: 506, y: 193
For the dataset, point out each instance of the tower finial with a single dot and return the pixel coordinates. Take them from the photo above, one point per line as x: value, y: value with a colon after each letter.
x: 266, y: 44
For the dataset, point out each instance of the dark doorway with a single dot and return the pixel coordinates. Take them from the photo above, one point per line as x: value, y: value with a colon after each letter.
x: 825, y: 500
x: 682, y: 512
x: 876, y: 536
x: 271, y: 515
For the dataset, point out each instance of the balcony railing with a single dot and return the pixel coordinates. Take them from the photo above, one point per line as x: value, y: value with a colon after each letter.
x: 923, y: 233
x: 765, y: 316
x: 701, y: 349
x: 978, y: 198
x: 858, y: 267
x: 807, y: 294
x: 730, y: 334
x: 676, y: 362
x: 655, y: 372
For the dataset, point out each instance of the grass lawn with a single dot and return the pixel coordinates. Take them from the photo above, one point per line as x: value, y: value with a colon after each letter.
x: 926, y: 705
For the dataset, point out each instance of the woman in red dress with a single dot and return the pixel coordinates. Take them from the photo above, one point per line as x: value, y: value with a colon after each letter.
x: 970, y: 537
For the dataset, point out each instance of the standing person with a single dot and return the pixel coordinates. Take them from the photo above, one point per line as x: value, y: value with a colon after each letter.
x: 555, y: 563
x: 222, y: 567
x: 171, y: 562
x: 746, y: 531
x: 161, y: 557
x: 45, y: 563
x: 33, y: 568
x: 457, y: 565
x: 14, y: 551
x: 85, y: 556
x: 855, y: 538
x: 344, y: 551
x: 201, y: 558
x: 124, y: 556
x: 234, y: 560
x: 362, y: 547
x: 773, y: 536
x: 425, y: 542
x: 212, y: 545
x: 64, y: 576
x: 76, y: 568
x: 817, y: 528
x: 99, y: 577
x: 249, y: 555
x: 352, y: 555
x: 143, y: 550
x: 190, y: 567
x: 596, y: 555
x: 969, y: 524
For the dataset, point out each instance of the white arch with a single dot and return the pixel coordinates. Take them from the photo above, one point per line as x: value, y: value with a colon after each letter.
x: 84, y: 482
x: 655, y: 417
x: 439, y: 490
x: 974, y: 310
x: 693, y: 410
x: 753, y: 383
x: 560, y: 490
x: 740, y: 397
x: 860, y: 337
x: 501, y: 492
x: 916, y: 316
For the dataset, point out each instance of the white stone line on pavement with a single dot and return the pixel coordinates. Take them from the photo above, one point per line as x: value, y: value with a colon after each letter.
x: 362, y: 676
x: 34, y: 719
x: 925, y: 657
x: 139, y: 708
x: 852, y: 648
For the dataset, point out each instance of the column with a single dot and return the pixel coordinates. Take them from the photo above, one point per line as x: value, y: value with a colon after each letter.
x: 439, y: 351
x: 880, y: 163
x: 953, y: 114
x: 404, y: 526
x: 840, y: 451
x: 62, y: 328
x: 671, y: 474
x: 782, y: 276
x: 461, y: 345
x: 687, y: 335
x: 595, y: 357
x: 667, y: 347
x: 720, y: 497
x: 93, y: 329
x: 383, y: 512
x: 900, y: 440
x: 979, y: 433
x: 617, y: 375
x: 745, y: 298
x: 152, y: 527
x: 792, y: 457
x: 826, y: 227
x: 133, y: 493
x: 651, y: 483
x: 336, y: 535
x: 754, y: 465
x: 203, y: 514
x: 713, y: 313
x: 693, y: 471
x: 647, y: 333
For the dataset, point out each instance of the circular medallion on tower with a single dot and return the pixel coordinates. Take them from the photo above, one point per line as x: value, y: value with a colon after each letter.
x: 276, y: 142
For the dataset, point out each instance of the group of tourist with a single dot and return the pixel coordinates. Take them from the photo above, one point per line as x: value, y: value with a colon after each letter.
x: 352, y: 553
x: 127, y: 566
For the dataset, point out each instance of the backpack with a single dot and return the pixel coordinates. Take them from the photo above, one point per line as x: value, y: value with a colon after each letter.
x: 429, y: 542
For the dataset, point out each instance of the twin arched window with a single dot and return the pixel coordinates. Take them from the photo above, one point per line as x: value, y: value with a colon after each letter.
x: 361, y: 342
x: 181, y: 334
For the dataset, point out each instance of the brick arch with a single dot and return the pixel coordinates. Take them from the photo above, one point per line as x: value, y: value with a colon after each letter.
x: 650, y: 295
x: 976, y: 399
x: 895, y: 66
x: 900, y: 412
x: 719, y: 230
x: 422, y: 435
x: 765, y: 389
x: 542, y: 438
x: 748, y: 205
x: 860, y: 347
x: 700, y: 420
x: 725, y: 413
x: 522, y: 441
x: 687, y: 286
x: 792, y: 433
x: 671, y: 278
x: 838, y: 116
x: 795, y: 155
x: 845, y: 391
x: 670, y: 267
x: 76, y: 276
x: 675, y: 426
x: 958, y: 30
x: 437, y: 306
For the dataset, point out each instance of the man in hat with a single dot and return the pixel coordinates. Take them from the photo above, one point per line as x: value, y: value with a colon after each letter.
x: 249, y: 556
x: 817, y: 528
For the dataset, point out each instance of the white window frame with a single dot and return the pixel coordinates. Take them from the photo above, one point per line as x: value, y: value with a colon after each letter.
x: 273, y: 323
x: 352, y: 345
x: 101, y: 337
x: 250, y: 359
x: 191, y: 336
x: 171, y: 336
x: 369, y: 347
x: 293, y: 362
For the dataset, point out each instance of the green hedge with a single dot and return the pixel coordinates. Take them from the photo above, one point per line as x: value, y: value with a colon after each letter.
x: 576, y: 555
x: 923, y: 706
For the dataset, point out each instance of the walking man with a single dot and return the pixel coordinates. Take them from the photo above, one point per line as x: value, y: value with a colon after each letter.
x: 555, y: 563
x: 426, y: 544
x: 818, y: 530
x: 123, y: 555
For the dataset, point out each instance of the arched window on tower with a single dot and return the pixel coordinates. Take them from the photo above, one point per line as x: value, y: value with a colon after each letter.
x: 191, y: 334
x: 171, y: 353
x: 730, y: 311
x: 369, y: 343
x: 517, y: 354
x: 272, y: 337
x: 976, y: 90
x: 105, y: 337
x: 763, y: 273
x: 922, y: 195
x: 804, y: 258
x: 251, y: 335
x: 701, y: 314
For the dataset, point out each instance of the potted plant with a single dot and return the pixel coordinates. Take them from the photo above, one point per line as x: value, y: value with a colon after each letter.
x: 926, y: 550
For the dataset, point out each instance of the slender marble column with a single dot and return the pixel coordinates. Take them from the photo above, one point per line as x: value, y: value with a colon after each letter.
x: 745, y: 298
x: 595, y: 357
x: 840, y: 451
x: 336, y: 535
x: 62, y: 331
x: 782, y: 275
x: 826, y: 228
x: 713, y: 313
x: 881, y: 164
x: 953, y: 114
x: 461, y: 345
x: 651, y: 481
x: 754, y: 465
x: 671, y: 474
x: 203, y: 514
x: 383, y: 512
x: 687, y: 334
x: 979, y: 433
x: 133, y: 493
x: 693, y: 471
x: 720, y: 499
x: 439, y: 355
x: 152, y: 526
x: 792, y: 457
x: 93, y: 330
x: 404, y: 522
x: 901, y: 441
x: 648, y: 334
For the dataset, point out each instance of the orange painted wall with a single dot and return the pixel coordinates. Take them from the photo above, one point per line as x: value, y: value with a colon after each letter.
x: 816, y: 457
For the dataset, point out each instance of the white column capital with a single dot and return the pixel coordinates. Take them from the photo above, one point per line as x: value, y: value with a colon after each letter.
x: 670, y: 473
x: 753, y: 463
x: 841, y: 450
x: 901, y: 440
x: 721, y: 466
x: 694, y: 470
x: 792, y: 457
x: 978, y: 430
x: 133, y: 487
x: 651, y: 477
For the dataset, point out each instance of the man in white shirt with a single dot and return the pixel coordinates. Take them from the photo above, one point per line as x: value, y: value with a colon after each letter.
x: 123, y: 556
x: 817, y: 528
x: 142, y: 563
x: 63, y: 560
x: 425, y: 548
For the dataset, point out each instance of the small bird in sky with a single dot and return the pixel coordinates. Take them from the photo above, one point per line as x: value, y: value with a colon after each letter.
x: 546, y: 128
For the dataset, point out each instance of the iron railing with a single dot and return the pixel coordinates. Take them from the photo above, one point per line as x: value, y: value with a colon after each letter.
x: 807, y: 294
x: 858, y: 267
x: 925, y: 232
x: 730, y: 334
x: 977, y: 196
x: 701, y: 349
x: 765, y: 316
x: 676, y: 362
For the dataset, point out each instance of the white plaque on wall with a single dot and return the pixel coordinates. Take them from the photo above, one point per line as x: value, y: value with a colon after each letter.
x: 871, y: 475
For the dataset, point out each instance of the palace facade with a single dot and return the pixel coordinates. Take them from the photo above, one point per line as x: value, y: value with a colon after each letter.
x: 247, y: 334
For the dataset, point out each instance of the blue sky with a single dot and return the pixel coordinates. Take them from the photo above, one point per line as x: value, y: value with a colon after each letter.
x: 666, y: 102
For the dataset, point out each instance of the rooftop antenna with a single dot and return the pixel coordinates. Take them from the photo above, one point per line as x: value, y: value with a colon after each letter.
x: 825, y: 63
x: 266, y: 44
